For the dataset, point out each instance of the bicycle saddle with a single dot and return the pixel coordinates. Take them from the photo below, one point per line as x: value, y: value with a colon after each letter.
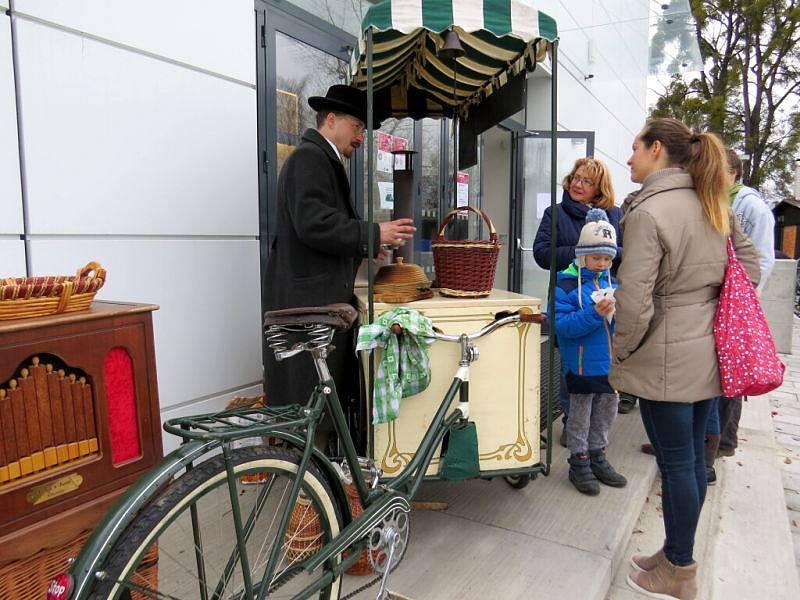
x: 339, y: 316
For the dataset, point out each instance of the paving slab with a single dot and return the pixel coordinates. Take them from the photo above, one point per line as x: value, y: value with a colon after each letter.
x: 455, y: 558
x: 544, y: 542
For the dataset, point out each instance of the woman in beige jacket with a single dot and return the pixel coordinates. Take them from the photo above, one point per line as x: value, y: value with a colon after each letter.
x: 675, y: 230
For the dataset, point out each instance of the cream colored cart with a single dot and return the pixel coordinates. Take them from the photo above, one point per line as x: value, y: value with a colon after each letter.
x: 504, y: 386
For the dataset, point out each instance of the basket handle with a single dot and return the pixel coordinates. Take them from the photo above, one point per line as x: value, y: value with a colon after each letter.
x: 451, y: 215
x: 66, y: 294
x: 99, y: 271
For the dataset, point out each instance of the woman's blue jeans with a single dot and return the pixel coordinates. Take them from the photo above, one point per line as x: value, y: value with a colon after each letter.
x: 677, y: 431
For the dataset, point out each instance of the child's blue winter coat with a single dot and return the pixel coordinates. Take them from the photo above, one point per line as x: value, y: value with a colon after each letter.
x: 584, y: 337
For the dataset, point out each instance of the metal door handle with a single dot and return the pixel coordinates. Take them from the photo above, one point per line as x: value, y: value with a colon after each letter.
x: 521, y: 247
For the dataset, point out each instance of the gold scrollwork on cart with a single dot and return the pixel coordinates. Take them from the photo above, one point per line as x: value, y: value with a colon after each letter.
x: 520, y: 450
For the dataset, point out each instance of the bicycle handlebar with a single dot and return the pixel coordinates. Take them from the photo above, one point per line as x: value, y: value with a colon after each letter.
x: 523, y: 317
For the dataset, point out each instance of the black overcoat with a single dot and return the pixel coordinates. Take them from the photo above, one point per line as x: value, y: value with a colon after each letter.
x: 318, y: 245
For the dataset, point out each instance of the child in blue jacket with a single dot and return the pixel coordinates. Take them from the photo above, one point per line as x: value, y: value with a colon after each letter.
x: 584, y: 327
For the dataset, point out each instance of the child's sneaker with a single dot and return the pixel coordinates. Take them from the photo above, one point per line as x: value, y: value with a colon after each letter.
x: 581, y: 476
x: 603, y: 470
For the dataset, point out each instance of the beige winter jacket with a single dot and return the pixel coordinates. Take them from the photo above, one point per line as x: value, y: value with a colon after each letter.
x: 669, y: 284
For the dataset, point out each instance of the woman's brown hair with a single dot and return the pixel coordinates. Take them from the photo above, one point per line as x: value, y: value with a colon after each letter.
x: 598, y: 171
x: 703, y: 156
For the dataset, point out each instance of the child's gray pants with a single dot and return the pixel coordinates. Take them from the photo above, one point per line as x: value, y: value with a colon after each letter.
x: 590, y: 418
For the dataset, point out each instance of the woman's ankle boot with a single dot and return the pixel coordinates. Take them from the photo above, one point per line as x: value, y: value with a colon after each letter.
x: 666, y: 581
x: 644, y: 562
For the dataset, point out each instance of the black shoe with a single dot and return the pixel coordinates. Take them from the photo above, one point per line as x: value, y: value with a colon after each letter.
x: 581, y: 476
x: 711, y: 476
x: 603, y: 470
x: 626, y: 403
x: 562, y: 439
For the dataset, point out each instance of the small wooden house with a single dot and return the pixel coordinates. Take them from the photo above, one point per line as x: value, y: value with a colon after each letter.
x: 787, y: 221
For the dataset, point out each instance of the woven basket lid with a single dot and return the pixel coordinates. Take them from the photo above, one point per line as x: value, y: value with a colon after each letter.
x: 401, y: 274
x: 401, y: 282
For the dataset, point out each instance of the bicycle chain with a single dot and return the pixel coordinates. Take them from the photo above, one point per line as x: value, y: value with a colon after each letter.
x: 363, y: 588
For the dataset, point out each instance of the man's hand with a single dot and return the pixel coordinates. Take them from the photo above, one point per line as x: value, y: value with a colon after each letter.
x: 395, y: 233
x: 605, y: 307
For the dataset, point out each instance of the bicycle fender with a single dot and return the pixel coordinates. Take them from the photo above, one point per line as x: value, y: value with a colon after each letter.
x: 96, y: 548
x: 326, y: 466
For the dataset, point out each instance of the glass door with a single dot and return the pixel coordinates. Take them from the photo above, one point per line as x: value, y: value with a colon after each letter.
x: 532, y: 196
x: 298, y: 56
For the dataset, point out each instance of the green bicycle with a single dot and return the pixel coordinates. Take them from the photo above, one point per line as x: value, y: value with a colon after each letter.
x: 217, y: 519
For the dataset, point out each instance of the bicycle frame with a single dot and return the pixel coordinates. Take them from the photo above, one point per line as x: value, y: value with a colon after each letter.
x: 295, y: 425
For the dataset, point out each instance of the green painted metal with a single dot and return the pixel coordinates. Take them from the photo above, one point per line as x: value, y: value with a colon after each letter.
x: 248, y: 529
x: 198, y: 547
x: 241, y: 542
x: 551, y: 287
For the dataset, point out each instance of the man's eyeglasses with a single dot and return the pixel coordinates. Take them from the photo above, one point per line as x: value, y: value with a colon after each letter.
x: 358, y: 128
x: 583, y: 180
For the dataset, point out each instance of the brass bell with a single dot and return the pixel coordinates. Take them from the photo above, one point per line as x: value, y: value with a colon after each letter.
x: 452, y: 48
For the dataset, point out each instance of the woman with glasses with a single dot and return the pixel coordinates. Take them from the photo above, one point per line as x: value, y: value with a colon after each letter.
x: 587, y: 186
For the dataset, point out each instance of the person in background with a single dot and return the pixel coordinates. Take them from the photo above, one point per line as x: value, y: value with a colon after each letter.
x: 320, y: 240
x: 758, y: 223
x: 676, y: 229
x: 584, y: 326
x: 587, y: 186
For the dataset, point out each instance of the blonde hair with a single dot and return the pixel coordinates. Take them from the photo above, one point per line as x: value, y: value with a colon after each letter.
x: 597, y: 170
x: 703, y: 156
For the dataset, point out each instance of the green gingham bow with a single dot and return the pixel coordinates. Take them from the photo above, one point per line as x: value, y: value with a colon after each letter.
x: 404, y: 368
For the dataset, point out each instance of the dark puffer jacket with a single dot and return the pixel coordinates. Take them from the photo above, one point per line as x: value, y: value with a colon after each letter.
x: 571, y: 219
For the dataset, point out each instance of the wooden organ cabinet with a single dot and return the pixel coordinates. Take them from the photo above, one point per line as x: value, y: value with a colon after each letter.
x: 79, y: 422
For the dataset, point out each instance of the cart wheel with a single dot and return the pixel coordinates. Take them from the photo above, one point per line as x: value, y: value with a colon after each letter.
x: 519, y: 481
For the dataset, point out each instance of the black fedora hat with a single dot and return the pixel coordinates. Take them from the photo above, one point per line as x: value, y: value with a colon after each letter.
x: 347, y: 99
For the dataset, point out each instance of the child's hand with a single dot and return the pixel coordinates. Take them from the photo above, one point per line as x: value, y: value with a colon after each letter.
x: 605, y: 307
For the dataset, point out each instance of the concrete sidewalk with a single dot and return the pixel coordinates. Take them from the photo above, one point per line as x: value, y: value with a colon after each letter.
x: 547, y: 541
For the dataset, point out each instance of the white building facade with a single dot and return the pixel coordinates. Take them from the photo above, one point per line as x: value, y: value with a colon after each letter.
x: 144, y: 136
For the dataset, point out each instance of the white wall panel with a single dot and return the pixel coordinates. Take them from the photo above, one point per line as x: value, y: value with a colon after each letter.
x: 10, y: 193
x: 119, y: 143
x: 219, y: 37
x: 208, y: 330
x: 12, y: 258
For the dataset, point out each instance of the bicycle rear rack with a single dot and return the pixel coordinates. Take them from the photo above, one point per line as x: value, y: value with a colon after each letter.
x: 238, y: 423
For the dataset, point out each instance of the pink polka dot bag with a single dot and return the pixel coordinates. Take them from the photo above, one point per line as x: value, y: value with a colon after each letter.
x: 748, y: 362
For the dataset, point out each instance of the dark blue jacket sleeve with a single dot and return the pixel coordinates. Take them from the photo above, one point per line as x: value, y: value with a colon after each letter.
x: 541, y: 246
x: 573, y: 321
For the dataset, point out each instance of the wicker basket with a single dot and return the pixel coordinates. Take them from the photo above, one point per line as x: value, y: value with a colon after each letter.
x: 303, y: 537
x: 24, y: 297
x: 362, y: 566
x: 465, y: 268
x: 30, y: 578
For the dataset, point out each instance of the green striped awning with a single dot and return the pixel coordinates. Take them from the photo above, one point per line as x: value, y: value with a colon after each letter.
x: 501, y: 38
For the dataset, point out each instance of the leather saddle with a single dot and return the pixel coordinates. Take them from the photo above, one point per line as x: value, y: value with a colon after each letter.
x: 339, y: 316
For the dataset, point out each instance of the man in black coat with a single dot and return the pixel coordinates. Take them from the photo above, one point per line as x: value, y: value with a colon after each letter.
x: 320, y: 239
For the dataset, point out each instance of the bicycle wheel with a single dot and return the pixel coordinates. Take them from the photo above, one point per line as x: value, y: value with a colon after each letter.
x: 162, y: 556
